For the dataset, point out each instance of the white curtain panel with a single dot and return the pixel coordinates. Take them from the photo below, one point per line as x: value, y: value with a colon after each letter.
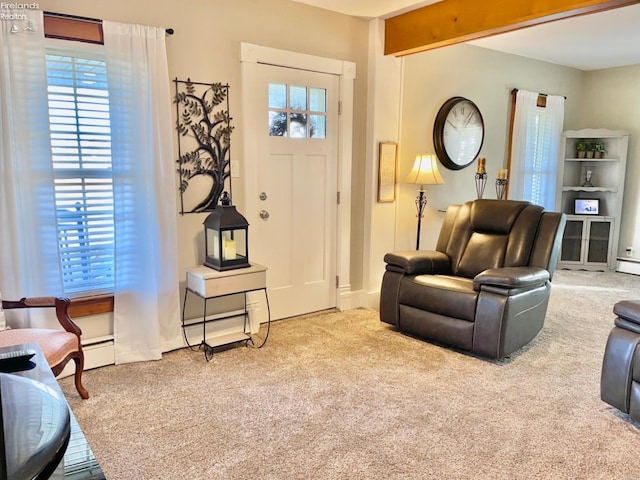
x: 147, y: 305
x: 535, y: 149
x: 27, y: 218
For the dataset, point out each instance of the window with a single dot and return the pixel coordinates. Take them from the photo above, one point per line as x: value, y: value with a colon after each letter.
x: 80, y: 130
x: 535, y: 147
x: 541, y: 165
x: 297, y: 111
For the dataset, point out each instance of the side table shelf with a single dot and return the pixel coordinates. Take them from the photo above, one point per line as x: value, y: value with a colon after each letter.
x: 208, y: 284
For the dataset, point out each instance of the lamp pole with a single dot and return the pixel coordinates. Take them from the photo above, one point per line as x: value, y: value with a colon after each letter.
x: 421, y: 202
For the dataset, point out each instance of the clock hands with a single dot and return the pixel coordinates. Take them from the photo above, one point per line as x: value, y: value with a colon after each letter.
x: 468, y: 120
x: 451, y: 123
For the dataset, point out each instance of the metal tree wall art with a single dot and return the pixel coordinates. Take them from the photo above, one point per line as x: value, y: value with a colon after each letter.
x: 204, y: 141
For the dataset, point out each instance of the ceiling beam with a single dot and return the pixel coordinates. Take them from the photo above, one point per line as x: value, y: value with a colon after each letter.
x: 455, y: 21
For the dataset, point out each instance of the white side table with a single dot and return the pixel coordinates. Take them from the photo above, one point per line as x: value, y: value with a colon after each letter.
x: 208, y: 283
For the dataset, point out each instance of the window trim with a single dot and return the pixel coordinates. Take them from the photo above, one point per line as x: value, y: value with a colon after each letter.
x: 94, y: 305
x: 69, y: 27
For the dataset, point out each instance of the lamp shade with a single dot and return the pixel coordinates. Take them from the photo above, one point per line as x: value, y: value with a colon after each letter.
x: 425, y: 171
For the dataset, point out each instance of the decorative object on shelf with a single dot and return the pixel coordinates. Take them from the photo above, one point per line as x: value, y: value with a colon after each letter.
x: 581, y: 149
x: 458, y: 133
x: 226, y: 237
x: 599, y: 149
x: 204, y: 129
x: 591, y: 147
x: 501, y: 183
x: 387, y: 172
x: 587, y: 178
x: 424, y: 172
x: 481, y: 177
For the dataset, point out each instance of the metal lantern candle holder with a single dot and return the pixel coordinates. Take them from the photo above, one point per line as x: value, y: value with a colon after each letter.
x: 226, y: 234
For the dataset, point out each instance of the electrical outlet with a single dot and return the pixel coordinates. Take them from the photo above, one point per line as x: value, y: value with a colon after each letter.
x: 628, y: 251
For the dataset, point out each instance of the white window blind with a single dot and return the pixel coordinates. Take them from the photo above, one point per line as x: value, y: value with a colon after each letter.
x: 80, y: 127
x: 541, y: 153
x: 536, y: 148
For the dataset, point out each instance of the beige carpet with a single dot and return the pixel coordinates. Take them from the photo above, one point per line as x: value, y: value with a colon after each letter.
x: 344, y: 396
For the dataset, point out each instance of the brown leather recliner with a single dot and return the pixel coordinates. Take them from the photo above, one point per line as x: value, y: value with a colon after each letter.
x: 486, y: 286
x: 620, y: 376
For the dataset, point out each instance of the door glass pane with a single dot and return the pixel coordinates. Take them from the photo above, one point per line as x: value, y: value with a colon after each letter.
x: 298, y: 125
x: 298, y: 98
x: 318, y: 99
x: 318, y: 126
x: 277, y: 95
x: 277, y: 124
x: 598, y: 242
x: 572, y: 241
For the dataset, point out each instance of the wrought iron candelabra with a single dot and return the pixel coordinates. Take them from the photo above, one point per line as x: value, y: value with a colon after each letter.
x: 501, y: 185
x: 481, y: 182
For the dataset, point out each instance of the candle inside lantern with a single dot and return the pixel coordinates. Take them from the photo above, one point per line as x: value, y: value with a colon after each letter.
x: 481, y: 165
x: 229, y: 252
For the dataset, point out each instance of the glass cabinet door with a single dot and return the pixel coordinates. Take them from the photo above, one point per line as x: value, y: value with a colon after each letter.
x: 599, y: 236
x: 572, y: 241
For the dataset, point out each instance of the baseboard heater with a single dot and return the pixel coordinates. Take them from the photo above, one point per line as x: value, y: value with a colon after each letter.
x: 628, y: 265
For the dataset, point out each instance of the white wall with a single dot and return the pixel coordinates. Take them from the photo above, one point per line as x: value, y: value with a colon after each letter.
x: 611, y: 99
x: 383, y: 125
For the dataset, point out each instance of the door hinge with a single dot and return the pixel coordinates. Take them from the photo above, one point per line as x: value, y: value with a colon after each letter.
x: 338, y: 198
x: 337, y: 281
x: 339, y: 107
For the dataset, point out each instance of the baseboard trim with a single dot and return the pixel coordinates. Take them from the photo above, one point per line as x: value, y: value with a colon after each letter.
x: 628, y: 265
x: 95, y: 355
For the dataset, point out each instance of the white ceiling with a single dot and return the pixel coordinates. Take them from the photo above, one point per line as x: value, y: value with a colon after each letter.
x: 588, y: 42
x: 369, y: 8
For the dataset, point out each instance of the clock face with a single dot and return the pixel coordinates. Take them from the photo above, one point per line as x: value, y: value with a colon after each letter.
x: 458, y: 133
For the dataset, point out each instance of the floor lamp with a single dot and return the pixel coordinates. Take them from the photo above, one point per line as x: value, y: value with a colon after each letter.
x: 424, y: 172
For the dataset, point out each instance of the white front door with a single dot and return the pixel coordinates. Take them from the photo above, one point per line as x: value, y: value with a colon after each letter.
x: 292, y: 185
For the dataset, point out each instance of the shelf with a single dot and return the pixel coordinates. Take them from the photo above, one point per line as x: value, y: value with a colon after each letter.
x: 580, y: 218
x: 589, y: 189
x: 596, y: 246
x: 613, y: 159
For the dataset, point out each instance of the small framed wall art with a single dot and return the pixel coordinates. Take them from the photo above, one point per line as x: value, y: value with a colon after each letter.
x: 387, y: 172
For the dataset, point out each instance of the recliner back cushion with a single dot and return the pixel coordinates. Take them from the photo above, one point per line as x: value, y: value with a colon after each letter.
x: 492, y: 234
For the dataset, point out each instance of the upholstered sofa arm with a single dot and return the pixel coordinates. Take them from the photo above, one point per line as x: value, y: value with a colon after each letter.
x: 418, y: 262
x: 510, y: 278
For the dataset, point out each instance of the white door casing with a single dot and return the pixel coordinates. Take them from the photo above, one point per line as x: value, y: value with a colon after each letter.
x: 305, y: 240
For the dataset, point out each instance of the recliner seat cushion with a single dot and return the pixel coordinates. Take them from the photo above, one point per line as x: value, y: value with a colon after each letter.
x: 442, y: 294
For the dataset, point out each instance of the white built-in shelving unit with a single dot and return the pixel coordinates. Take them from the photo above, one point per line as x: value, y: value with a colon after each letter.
x: 590, y: 242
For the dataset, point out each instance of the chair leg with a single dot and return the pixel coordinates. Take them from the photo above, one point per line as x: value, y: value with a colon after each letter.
x: 79, y: 361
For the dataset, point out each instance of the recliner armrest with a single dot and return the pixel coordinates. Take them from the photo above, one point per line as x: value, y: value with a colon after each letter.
x: 628, y: 312
x: 416, y: 262
x: 520, y: 278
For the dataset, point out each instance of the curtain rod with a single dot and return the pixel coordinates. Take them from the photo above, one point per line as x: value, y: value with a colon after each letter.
x: 515, y: 90
x: 88, y: 19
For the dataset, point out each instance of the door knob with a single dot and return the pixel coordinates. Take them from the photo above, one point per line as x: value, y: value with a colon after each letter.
x: 264, y: 214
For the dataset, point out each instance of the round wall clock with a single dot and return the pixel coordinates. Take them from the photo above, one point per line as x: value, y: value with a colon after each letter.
x: 458, y: 133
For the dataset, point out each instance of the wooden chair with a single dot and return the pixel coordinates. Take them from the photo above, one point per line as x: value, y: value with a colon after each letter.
x: 58, y: 346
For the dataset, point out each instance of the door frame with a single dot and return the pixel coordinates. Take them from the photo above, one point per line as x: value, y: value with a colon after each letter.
x: 346, y: 71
